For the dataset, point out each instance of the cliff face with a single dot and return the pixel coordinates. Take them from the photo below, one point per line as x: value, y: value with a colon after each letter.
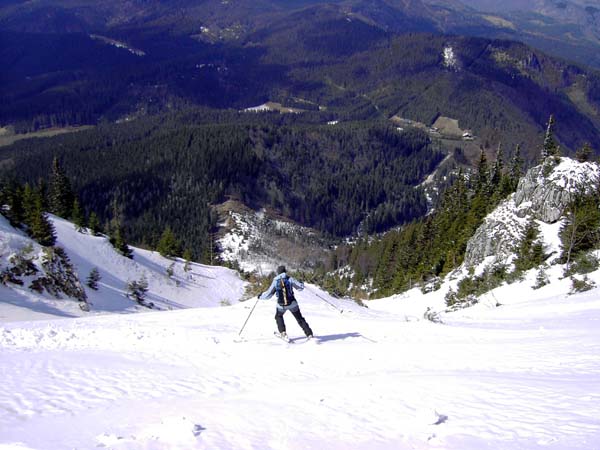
x: 543, y: 194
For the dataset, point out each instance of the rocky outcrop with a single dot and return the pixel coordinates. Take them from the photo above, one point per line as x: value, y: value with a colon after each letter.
x: 497, y: 236
x: 545, y: 191
x: 543, y: 194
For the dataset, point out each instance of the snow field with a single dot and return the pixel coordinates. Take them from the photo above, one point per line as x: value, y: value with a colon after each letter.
x: 371, y: 380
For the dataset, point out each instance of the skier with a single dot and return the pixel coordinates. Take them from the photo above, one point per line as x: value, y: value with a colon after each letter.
x: 283, y: 285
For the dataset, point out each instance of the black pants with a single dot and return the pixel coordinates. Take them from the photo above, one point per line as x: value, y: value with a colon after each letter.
x: 297, y: 314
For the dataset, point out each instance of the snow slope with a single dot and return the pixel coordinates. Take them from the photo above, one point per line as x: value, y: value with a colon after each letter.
x: 525, y: 375
x: 199, y: 286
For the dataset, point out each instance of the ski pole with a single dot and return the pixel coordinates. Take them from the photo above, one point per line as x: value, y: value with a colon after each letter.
x: 328, y: 302
x: 248, y: 318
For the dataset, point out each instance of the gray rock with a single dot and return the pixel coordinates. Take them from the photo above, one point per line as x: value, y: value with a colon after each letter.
x: 543, y: 194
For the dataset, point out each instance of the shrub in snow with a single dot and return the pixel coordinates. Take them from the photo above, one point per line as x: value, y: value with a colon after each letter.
x: 93, y: 278
x: 584, y: 263
x: 455, y: 302
x: 137, y: 290
x: 581, y: 285
x: 22, y: 263
x: 59, y: 276
x: 432, y: 285
x: 7, y: 276
x: 471, y: 287
x: 541, y: 278
x: 171, y: 270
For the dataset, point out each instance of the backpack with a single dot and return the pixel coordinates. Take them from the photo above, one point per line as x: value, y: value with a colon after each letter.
x: 285, y: 293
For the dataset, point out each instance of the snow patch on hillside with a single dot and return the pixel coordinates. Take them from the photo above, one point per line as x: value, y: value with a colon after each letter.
x: 450, y: 59
x: 259, y: 243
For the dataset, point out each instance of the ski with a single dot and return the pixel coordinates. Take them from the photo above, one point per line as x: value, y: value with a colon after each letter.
x: 283, y: 338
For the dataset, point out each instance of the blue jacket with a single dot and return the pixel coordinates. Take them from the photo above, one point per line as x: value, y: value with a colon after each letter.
x: 276, y: 285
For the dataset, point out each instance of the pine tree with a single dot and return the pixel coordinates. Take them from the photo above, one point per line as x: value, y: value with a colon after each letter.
x: 137, y: 290
x: 29, y: 205
x: 480, y: 202
x: 187, y: 255
x: 93, y: 278
x: 516, y: 168
x: 60, y: 193
x: 550, y: 147
x: 41, y: 228
x: 482, y: 178
x: 118, y: 242
x: 94, y: 224
x: 13, y: 194
x: 78, y: 216
x: 168, y: 245
x: 498, y: 170
x: 584, y: 154
x: 580, y: 231
x: 530, y: 251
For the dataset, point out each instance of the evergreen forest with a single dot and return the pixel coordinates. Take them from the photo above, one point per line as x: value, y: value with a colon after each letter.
x: 139, y: 178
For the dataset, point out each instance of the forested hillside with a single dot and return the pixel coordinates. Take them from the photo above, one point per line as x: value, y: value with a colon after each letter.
x: 171, y: 170
x: 356, y: 61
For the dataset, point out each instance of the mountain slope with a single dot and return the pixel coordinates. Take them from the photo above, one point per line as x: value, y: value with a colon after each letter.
x: 357, y: 59
x: 199, y: 286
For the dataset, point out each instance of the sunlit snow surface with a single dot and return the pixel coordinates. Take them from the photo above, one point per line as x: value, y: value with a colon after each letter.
x: 523, y: 375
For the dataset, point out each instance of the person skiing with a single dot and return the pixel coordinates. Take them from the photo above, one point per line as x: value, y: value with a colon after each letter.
x: 283, y: 285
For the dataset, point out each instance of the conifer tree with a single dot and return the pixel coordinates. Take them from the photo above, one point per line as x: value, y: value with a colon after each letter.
x: 580, y: 231
x: 480, y: 203
x: 168, y: 245
x: 498, y: 170
x: 530, y: 251
x: 584, y: 154
x: 60, y: 193
x: 93, y: 278
x: 516, y: 168
x: 118, y: 242
x: 29, y: 205
x: 550, y: 147
x: 187, y: 255
x: 94, y: 224
x: 482, y: 178
x: 78, y: 216
x: 41, y: 229
x: 13, y: 194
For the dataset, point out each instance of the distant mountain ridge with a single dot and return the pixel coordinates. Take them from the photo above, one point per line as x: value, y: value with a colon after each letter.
x: 241, y: 54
